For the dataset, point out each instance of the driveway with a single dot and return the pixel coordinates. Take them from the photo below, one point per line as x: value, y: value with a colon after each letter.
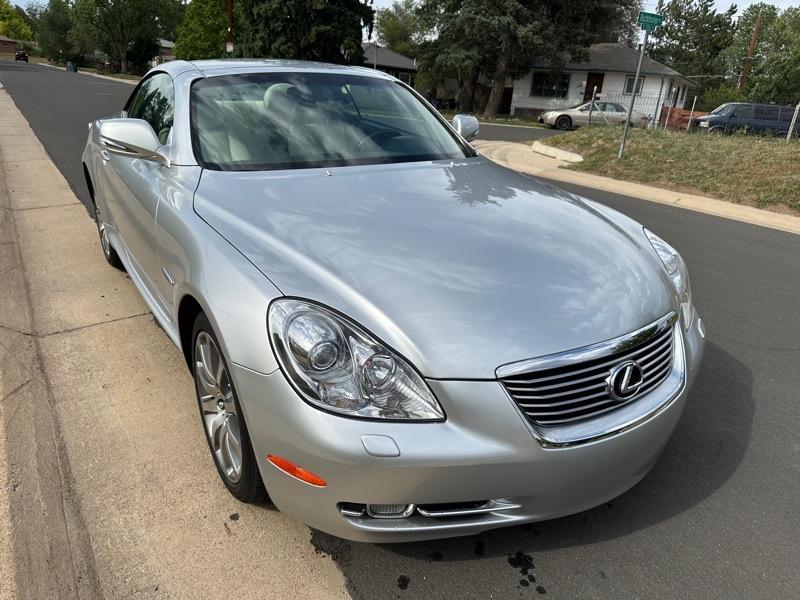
x: 718, y: 517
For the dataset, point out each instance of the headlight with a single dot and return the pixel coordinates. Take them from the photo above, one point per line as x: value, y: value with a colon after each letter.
x: 703, y: 124
x: 677, y: 271
x: 337, y: 366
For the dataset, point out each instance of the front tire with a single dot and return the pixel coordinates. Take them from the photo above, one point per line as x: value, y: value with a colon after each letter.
x: 222, y: 418
x: 563, y: 123
x: 110, y: 254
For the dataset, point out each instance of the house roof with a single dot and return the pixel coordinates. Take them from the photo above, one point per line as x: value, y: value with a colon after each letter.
x: 386, y: 57
x: 6, y: 39
x: 616, y: 58
x: 162, y: 43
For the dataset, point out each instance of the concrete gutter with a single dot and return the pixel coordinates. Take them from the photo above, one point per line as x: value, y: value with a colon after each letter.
x: 522, y: 158
x: 556, y: 153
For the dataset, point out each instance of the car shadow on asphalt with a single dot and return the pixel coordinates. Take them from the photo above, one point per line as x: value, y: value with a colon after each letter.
x: 708, y: 445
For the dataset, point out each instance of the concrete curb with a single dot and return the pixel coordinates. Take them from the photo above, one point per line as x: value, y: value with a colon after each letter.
x: 522, y: 158
x: 117, y: 79
x: 556, y: 153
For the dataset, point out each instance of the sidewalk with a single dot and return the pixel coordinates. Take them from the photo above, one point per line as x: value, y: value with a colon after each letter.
x: 521, y: 158
x: 111, y: 491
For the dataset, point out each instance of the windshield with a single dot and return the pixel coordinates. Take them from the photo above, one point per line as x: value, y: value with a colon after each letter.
x: 720, y: 110
x: 289, y: 121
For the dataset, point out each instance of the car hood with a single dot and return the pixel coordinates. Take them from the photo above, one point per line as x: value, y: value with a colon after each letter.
x: 460, y: 266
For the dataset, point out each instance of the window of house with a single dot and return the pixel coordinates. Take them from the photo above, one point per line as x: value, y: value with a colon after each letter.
x: 629, y: 85
x: 550, y: 85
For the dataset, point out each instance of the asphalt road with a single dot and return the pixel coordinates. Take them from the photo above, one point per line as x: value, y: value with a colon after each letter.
x: 718, y: 517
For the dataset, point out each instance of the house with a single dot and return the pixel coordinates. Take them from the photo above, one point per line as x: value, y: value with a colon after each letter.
x: 166, y: 51
x: 390, y: 62
x: 7, y: 45
x: 610, y: 67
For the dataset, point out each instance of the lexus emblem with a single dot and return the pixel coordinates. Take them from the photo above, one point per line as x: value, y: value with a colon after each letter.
x: 625, y: 381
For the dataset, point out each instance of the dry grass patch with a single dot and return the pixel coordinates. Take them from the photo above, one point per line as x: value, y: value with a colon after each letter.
x: 751, y: 170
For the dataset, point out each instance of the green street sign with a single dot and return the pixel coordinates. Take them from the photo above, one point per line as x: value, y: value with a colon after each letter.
x: 649, y: 21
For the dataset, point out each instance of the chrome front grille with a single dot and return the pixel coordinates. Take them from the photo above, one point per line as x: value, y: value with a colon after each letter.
x: 575, y: 385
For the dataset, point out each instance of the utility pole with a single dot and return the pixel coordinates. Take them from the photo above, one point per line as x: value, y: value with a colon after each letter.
x: 633, y: 96
x: 751, y: 50
x: 648, y: 22
x: 229, y: 42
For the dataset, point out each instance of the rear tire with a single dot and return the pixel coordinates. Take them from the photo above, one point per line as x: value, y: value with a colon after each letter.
x: 563, y: 123
x: 222, y: 418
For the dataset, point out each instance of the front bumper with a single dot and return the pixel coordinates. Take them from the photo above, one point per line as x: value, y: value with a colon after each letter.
x: 485, y: 451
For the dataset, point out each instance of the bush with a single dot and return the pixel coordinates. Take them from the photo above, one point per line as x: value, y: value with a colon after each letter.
x: 714, y: 97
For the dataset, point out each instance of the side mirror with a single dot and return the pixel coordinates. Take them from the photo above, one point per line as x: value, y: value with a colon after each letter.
x: 134, y: 138
x: 467, y: 126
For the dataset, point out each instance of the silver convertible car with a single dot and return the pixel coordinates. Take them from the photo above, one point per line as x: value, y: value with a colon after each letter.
x: 390, y: 335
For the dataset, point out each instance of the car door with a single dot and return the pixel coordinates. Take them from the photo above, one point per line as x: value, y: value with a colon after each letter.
x: 137, y: 184
x: 580, y: 116
x: 740, y: 117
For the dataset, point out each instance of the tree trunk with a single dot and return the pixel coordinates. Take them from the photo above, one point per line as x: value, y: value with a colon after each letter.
x: 123, y: 63
x: 498, y: 85
x: 468, y: 90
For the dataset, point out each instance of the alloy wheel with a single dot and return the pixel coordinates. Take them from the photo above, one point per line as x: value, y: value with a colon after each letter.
x: 218, y: 407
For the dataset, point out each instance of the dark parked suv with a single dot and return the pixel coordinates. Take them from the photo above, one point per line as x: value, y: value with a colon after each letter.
x: 20, y: 55
x: 751, y: 118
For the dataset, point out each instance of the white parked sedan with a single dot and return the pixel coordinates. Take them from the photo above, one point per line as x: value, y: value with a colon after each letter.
x: 609, y: 113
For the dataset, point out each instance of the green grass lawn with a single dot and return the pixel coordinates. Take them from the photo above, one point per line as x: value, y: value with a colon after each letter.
x: 751, y: 170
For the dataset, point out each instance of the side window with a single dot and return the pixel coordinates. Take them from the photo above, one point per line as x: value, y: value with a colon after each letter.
x: 766, y: 113
x: 741, y: 111
x: 155, y: 103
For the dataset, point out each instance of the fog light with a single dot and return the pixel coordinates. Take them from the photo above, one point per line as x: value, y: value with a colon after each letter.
x: 390, y: 511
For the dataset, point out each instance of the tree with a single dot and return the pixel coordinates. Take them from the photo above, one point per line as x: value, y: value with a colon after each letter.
x: 203, y: 31
x: 502, y: 37
x: 735, y: 56
x: 52, y: 30
x: 693, y: 39
x: 306, y: 29
x: 127, y: 30
x: 396, y: 28
x: 714, y: 97
x: 11, y: 23
x: 775, y: 76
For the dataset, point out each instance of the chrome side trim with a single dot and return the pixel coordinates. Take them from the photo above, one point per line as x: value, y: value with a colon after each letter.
x: 594, y: 351
x: 490, y: 506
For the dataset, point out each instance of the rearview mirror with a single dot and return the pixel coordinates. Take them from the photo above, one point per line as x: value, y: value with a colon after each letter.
x: 467, y: 126
x: 134, y: 138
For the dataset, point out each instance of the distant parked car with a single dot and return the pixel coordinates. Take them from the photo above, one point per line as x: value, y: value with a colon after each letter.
x: 611, y: 113
x: 769, y: 119
x: 20, y: 55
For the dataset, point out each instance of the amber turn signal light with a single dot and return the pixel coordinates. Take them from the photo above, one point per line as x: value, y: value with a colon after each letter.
x: 296, y: 471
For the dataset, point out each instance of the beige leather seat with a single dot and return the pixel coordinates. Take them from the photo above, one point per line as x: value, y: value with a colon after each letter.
x: 220, y: 142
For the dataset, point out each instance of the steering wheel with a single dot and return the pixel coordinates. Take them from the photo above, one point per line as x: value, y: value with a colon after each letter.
x: 389, y: 133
